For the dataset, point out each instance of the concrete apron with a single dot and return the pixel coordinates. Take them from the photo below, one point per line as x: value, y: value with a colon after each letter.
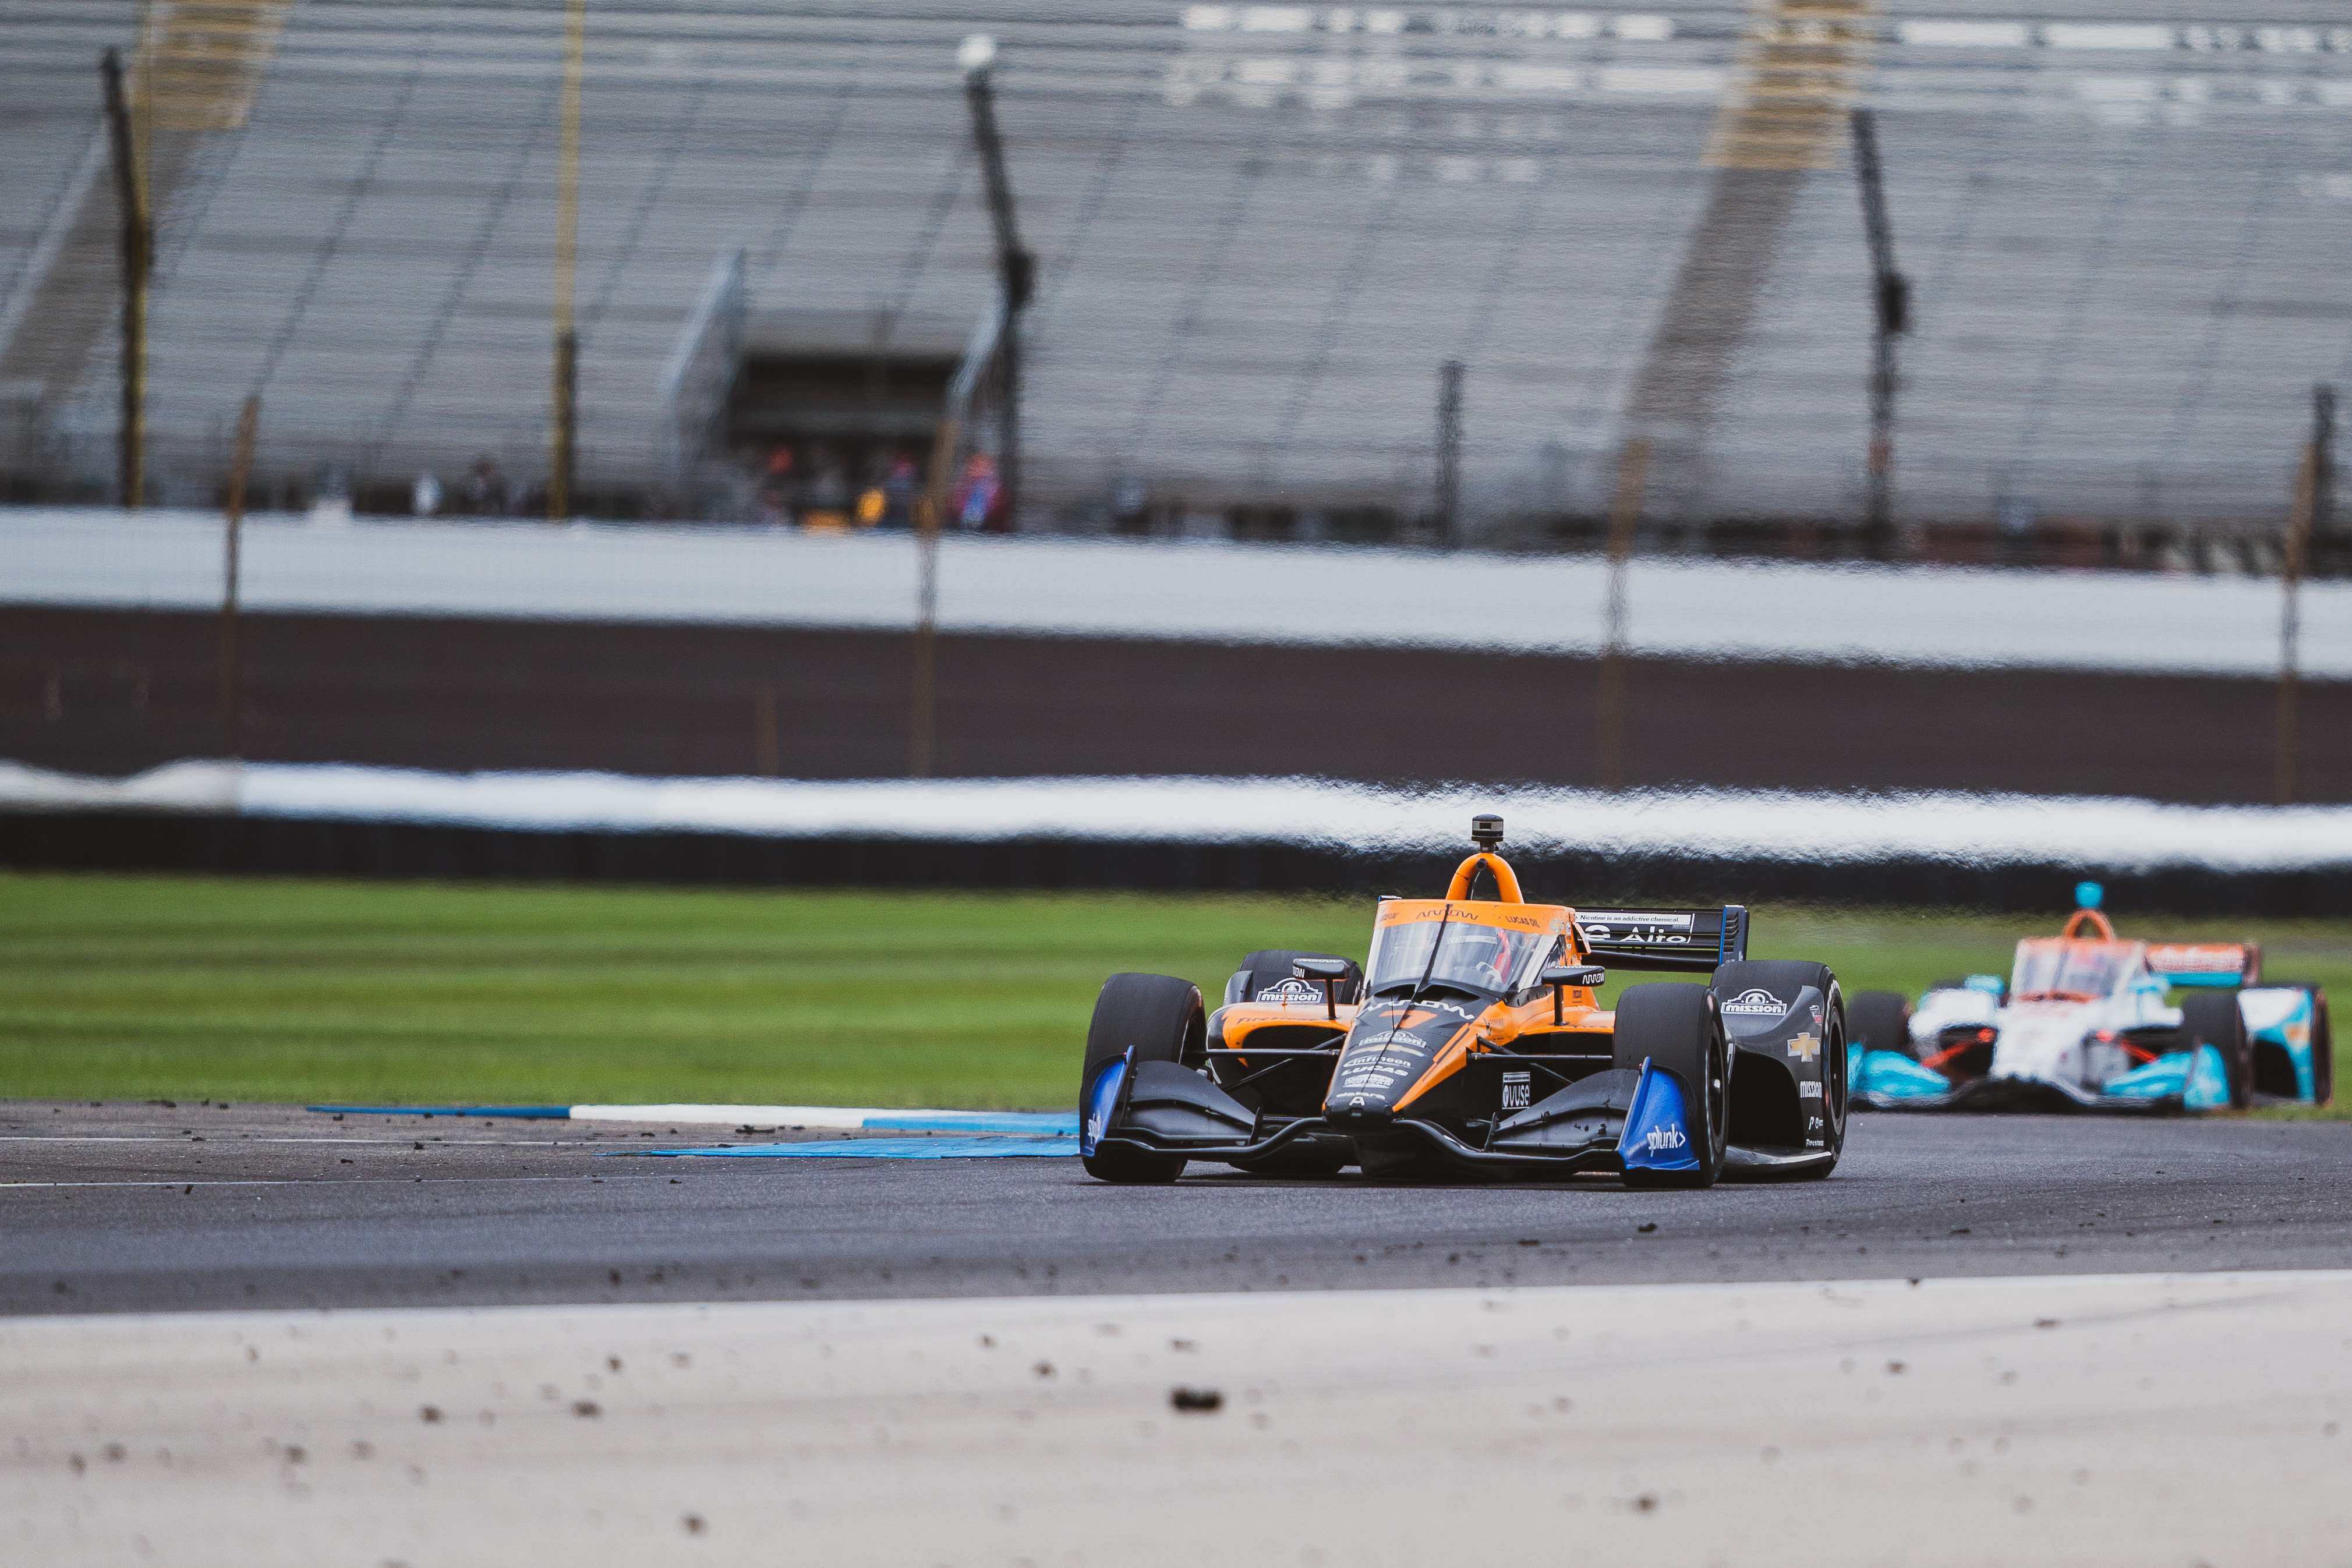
x: 2142, y: 1418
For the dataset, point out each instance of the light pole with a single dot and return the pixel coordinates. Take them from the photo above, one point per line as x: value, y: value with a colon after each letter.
x: 1449, y: 454
x: 1015, y: 267
x: 138, y: 261
x: 2308, y: 515
x: 1891, y: 309
x: 563, y: 457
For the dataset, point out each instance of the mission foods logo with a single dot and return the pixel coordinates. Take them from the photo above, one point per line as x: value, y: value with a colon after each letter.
x: 1292, y: 991
x: 1757, y: 1002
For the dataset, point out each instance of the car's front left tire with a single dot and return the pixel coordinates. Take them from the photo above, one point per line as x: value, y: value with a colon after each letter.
x: 2211, y: 1017
x: 1675, y: 1028
x: 1160, y: 1019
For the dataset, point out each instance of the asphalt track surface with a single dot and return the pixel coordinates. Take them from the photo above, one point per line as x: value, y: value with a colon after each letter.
x: 149, y: 1208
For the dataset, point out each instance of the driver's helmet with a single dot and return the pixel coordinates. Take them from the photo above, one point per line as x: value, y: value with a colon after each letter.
x: 1487, y: 958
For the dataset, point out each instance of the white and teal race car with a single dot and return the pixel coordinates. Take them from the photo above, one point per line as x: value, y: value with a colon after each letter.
x: 2084, y: 1022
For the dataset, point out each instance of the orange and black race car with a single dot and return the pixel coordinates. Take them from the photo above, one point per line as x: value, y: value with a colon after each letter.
x: 1470, y: 1041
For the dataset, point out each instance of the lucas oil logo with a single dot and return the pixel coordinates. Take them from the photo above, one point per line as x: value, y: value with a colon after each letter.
x: 1292, y: 991
x: 1515, y: 1091
x: 1757, y: 1002
x: 1661, y: 1139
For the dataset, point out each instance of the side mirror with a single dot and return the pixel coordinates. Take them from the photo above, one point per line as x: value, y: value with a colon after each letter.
x: 1328, y: 973
x: 1563, y: 975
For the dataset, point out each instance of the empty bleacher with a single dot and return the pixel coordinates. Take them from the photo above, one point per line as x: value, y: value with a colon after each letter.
x: 1261, y: 228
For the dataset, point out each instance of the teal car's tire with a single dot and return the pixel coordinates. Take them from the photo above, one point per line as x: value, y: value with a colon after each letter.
x: 1879, y: 1020
x: 2211, y: 1017
x: 2322, y: 1050
x: 2323, y: 1040
x: 1160, y: 1019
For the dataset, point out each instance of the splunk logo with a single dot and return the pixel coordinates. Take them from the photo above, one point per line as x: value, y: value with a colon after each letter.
x: 1663, y: 1138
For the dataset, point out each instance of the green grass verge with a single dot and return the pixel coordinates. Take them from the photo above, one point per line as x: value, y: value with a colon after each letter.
x: 191, y: 988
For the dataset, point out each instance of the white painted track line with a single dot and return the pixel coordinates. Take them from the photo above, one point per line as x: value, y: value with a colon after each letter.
x: 2098, y: 1419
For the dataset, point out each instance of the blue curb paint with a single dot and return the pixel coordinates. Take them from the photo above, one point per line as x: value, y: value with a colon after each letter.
x: 887, y: 1149
x: 509, y: 1113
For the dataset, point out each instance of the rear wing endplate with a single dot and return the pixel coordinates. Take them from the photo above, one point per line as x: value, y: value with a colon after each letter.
x: 1689, y: 939
x: 2206, y: 963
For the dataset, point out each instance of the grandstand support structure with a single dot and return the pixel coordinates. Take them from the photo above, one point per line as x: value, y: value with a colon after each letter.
x: 1778, y: 121
x: 691, y: 399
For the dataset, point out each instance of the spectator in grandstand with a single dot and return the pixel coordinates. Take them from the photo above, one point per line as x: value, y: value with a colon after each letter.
x: 900, y: 488
x: 979, y: 501
x: 828, y: 497
x: 486, y: 489
x: 779, y: 489
x: 425, y: 497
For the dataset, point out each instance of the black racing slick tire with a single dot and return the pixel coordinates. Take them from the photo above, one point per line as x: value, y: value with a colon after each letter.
x: 2323, y: 1048
x: 1676, y: 1028
x: 1272, y: 966
x: 2211, y: 1017
x: 1879, y: 1020
x: 1762, y: 1109
x: 1161, y: 1018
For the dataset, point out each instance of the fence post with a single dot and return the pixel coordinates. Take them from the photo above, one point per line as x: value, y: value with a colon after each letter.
x: 248, y: 424
x: 137, y: 257
x: 1632, y: 477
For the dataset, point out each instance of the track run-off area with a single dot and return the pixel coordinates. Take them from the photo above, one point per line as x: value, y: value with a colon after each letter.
x: 255, y: 1334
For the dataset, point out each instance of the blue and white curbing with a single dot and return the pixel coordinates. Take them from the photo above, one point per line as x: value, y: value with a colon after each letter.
x: 987, y: 1132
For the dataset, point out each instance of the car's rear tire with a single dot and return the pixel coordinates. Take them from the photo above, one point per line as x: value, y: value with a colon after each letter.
x: 1879, y: 1020
x: 2323, y: 1049
x: 1272, y: 966
x: 1676, y: 1027
x: 1160, y: 1019
x: 2211, y: 1017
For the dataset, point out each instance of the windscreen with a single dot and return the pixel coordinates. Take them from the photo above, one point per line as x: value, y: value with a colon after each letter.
x: 2069, y: 971
x: 1467, y: 958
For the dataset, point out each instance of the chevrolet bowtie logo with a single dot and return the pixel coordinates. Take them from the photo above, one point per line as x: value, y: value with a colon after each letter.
x: 1805, y: 1047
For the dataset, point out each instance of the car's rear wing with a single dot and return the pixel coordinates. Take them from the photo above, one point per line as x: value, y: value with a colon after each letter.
x: 2206, y: 962
x: 1694, y: 939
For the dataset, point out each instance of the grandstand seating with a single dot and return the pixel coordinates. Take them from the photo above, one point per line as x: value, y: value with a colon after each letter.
x: 1261, y: 228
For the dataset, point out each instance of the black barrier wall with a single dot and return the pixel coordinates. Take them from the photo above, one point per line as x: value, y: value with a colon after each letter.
x: 299, y: 847
x: 112, y: 692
